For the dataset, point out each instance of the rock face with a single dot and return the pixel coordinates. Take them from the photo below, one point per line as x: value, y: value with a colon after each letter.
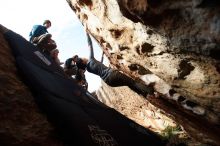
x: 173, y: 44
x: 22, y: 124
x: 135, y: 107
x: 141, y: 111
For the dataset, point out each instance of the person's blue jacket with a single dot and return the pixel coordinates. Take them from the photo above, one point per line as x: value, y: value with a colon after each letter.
x: 37, y: 31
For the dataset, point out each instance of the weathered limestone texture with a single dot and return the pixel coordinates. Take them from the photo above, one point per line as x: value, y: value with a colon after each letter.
x: 173, y: 44
x: 21, y: 122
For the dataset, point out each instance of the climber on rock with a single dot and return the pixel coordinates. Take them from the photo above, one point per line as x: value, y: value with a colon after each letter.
x: 111, y: 76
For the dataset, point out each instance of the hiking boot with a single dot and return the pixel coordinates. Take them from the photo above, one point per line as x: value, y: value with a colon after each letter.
x: 46, y: 43
x: 35, y: 40
x: 44, y: 39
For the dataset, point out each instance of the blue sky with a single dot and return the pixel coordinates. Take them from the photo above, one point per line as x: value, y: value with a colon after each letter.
x: 67, y: 30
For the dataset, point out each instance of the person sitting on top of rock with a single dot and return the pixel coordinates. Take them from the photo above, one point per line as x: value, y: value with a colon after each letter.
x: 81, y: 78
x: 70, y: 68
x: 40, y: 37
x: 54, y: 55
x: 111, y: 76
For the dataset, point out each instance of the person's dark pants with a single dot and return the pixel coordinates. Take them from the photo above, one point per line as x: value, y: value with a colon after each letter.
x: 116, y: 79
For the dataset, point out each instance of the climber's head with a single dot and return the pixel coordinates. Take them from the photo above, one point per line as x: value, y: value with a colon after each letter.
x: 75, y: 58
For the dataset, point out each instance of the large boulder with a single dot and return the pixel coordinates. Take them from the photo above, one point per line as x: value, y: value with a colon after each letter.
x: 22, y: 123
x: 171, y: 44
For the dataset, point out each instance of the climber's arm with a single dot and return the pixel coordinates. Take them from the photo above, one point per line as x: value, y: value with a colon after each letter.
x: 90, y: 46
x: 102, y: 58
